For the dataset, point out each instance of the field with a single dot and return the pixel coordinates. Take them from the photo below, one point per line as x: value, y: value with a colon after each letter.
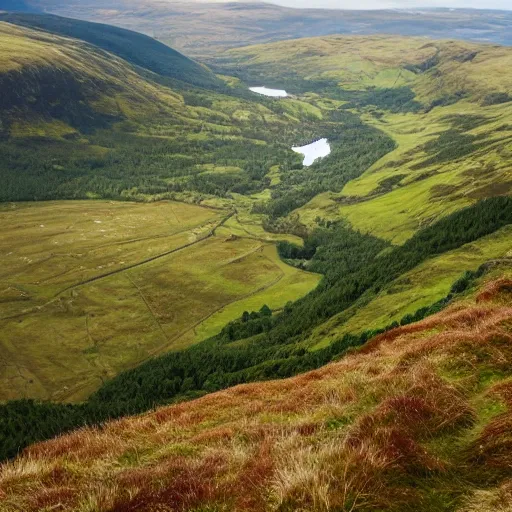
x: 421, y: 287
x: 419, y: 419
x: 91, y: 288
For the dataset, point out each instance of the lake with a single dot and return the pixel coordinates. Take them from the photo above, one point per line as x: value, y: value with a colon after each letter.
x: 275, y: 93
x: 314, y: 151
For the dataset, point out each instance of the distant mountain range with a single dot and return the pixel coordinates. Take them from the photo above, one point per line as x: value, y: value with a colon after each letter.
x: 202, y: 28
x: 16, y: 6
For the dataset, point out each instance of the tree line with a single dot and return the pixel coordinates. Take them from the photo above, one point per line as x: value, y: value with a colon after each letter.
x: 354, y: 266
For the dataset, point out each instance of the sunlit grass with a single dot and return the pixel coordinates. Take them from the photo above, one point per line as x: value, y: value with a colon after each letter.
x: 81, y: 300
x: 422, y: 407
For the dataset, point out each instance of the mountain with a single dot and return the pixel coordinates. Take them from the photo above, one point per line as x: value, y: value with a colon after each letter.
x: 420, y: 418
x: 203, y: 29
x: 204, y: 254
x: 135, y: 48
x: 16, y: 6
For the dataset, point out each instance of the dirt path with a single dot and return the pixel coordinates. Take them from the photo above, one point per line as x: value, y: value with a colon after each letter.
x: 208, y: 235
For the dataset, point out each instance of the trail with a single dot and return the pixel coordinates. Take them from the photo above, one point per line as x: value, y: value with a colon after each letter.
x: 148, y: 306
x: 148, y: 260
x: 208, y: 235
x: 100, y: 247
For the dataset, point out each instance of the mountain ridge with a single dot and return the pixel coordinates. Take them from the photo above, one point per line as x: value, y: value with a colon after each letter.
x: 138, y: 49
x: 204, y: 29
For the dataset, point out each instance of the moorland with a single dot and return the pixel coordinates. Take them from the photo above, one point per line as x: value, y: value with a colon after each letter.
x: 206, y: 29
x: 163, y: 242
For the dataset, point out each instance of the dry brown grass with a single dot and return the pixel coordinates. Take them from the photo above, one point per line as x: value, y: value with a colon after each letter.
x: 495, y: 500
x: 365, y: 433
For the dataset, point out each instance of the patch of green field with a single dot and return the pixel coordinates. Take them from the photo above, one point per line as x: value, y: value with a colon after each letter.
x: 289, y: 285
x: 53, y: 129
x: 221, y: 169
x: 300, y: 109
x: 48, y: 247
x: 248, y: 225
x: 423, y: 286
x: 273, y: 175
x: 91, y: 288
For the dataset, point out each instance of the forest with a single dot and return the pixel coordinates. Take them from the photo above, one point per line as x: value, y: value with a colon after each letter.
x: 136, y: 168
x: 269, y: 345
x: 355, y: 147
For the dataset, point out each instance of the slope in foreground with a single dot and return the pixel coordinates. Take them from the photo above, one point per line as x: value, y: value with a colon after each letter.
x: 419, y: 419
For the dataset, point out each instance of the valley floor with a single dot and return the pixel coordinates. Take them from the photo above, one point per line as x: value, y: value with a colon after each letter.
x: 89, y: 288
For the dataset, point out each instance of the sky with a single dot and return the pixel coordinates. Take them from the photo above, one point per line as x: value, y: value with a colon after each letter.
x: 399, y: 4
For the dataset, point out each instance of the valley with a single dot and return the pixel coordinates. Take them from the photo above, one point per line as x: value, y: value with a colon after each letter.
x: 453, y: 140
x: 102, y: 286
x: 170, y: 230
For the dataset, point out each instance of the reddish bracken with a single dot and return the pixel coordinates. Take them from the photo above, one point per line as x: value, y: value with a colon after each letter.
x: 391, y: 426
x: 47, y: 498
x: 501, y: 288
x: 252, y: 481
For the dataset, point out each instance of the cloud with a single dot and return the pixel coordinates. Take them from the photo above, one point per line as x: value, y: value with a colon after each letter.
x: 396, y: 4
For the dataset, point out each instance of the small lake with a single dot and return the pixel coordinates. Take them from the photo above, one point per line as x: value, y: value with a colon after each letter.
x: 274, y: 93
x: 314, y: 151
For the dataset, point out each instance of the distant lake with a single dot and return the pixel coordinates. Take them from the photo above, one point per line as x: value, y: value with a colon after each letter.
x: 312, y: 152
x: 275, y: 93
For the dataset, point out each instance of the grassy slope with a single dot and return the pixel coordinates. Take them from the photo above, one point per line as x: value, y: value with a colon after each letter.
x: 418, y: 419
x: 133, y: 47
x: 78, y: 306
x: 425, y: 285
x: 428, y: 185
x: 108, y: 85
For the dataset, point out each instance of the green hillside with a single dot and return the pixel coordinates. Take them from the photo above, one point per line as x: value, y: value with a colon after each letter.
x: 447, y: 105
x: 137, y: 49
x: 77, y: 122
x: 409, y: 210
